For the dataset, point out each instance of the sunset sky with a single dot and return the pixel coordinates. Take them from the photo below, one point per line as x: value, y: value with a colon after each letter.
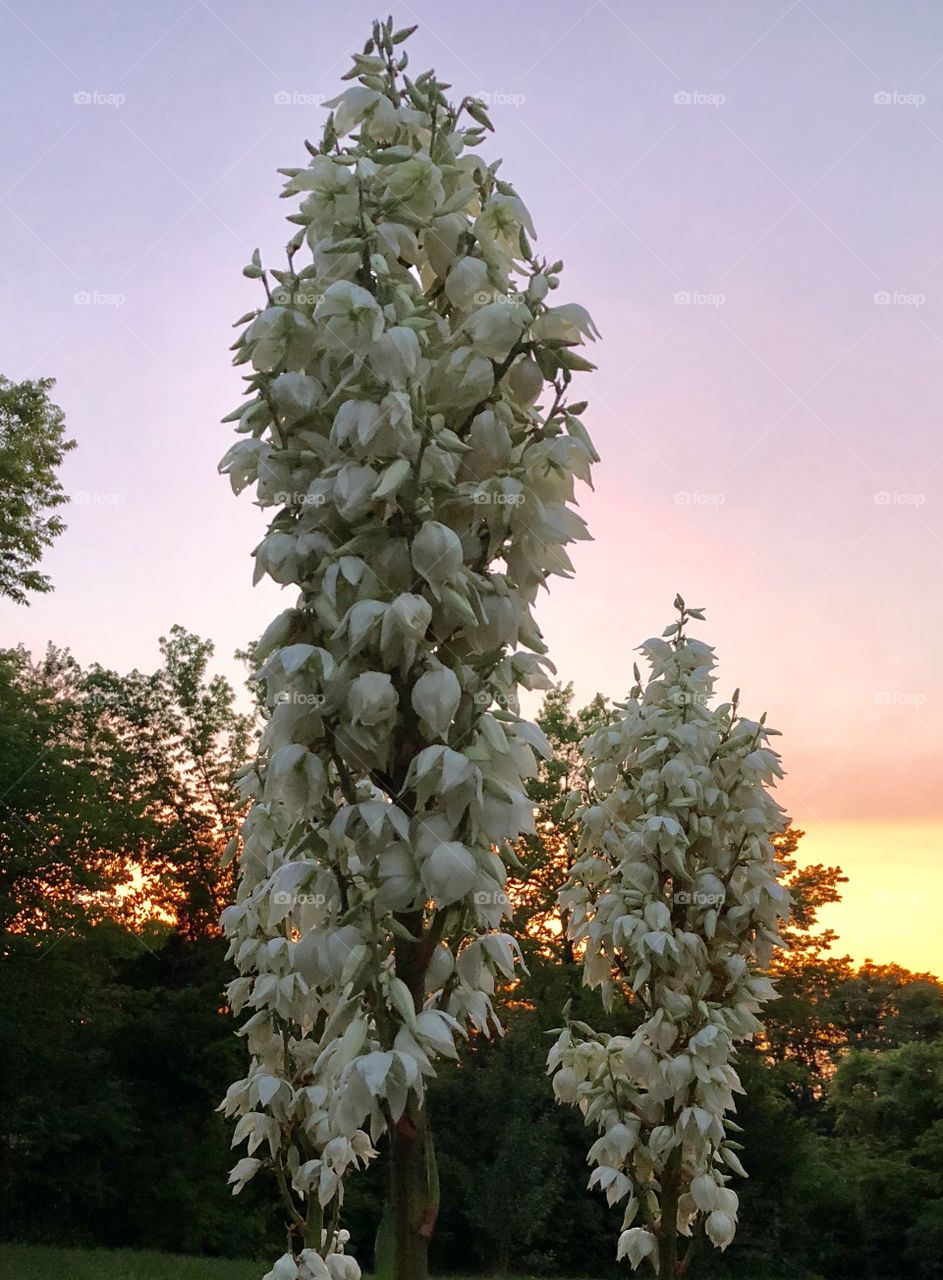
x: 747, y: 198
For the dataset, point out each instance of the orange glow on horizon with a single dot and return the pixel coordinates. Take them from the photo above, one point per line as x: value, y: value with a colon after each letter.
x: 890, y: 908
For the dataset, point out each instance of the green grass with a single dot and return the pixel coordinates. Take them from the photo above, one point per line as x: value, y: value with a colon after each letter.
x: 32, y: 1262
x: 35, y: 1262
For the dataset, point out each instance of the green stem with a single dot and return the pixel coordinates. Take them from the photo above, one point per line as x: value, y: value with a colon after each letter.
x: 414, y: 1189
x: 414, y: 1196
x: 668, y: 1235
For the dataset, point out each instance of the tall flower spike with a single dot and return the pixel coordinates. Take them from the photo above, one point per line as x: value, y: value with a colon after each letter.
x: 676, y: 903
x: 407, y: 423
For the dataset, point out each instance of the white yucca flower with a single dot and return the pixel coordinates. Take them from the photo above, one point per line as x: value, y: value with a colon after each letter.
x: 407, y: 425
x: 675, y: 902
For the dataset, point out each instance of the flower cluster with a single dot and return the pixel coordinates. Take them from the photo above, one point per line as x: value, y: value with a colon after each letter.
x: 407, y: 420
x: 676, y: 902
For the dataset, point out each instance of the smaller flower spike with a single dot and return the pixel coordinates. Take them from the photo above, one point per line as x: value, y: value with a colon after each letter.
x: 675, y: 903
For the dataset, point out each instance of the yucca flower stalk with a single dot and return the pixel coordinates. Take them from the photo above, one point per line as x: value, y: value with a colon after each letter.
x: 407, y: 423
x: 675, y: 903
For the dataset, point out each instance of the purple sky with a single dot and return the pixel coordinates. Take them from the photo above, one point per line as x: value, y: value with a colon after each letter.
x: 777, y: 164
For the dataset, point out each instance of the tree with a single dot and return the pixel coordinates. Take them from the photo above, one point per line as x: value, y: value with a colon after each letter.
x: 547, y: 853
x: 117, y: 791
x: 33, y: 444
x: 887, y: 1006
x: 801, y: 1034
x: 676, y: 900
x: 423, y: 496
x: 114, y: 1049
x: 186, y: 741
x: 70, y: 824
x: 811, y: 888
x: 116, y: 796
x: 889, y: 1115
x: 826, y: 1006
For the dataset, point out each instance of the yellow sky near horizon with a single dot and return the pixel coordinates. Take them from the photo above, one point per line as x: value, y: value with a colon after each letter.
x: 890, y: 910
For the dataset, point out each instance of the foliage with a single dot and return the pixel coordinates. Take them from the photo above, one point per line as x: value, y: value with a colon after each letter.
x: 889, y: 1112
x: 33, y: 444
x: 187, y: 739
x: 422, y: 496
x: 62, y: 772
x: 886, y: 1006
x: 828, y: 1007
x: 811, y: 887
x: 114, y: 1050
x: 547, y: 854
x: 116, y: 791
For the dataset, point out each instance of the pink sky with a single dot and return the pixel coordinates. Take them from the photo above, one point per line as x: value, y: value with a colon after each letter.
x: 776, y: 164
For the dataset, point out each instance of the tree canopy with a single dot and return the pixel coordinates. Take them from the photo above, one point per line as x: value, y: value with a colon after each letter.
x: 33, y: 443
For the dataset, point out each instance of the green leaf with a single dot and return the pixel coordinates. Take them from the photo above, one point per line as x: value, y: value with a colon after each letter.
x: 432, y: 1175
x: 546, y: 362
x: 399, y: 930
x: 403, y: 1003
x: 384, y: 1255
